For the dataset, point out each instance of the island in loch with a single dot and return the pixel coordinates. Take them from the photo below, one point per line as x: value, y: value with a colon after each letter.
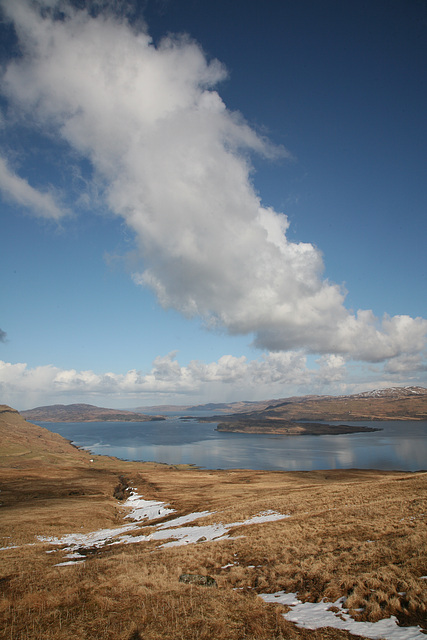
x: 310, y: 415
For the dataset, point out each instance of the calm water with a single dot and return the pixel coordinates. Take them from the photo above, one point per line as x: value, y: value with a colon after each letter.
x: 399, y: 445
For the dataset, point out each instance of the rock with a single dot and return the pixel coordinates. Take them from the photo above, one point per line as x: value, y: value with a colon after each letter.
x: 194, y: 578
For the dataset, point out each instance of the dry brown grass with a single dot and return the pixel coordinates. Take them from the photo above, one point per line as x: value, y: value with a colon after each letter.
x: 358, y: 534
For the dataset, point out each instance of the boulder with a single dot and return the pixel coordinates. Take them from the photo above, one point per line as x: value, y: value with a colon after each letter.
x: 194, y: 578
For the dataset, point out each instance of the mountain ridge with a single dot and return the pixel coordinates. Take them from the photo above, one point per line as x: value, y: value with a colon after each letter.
x: 395, y: 403
x: 245, y: 406
x: 400, y: 403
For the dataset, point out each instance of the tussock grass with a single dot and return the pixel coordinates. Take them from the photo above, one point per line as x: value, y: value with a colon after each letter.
x: 125, y: 598
x: 357, y: 534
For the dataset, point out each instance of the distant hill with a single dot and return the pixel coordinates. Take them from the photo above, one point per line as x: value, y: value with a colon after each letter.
x: 221, y: 407
x: 84, y: 413
x: 397, y: 403
x: 394, y: 403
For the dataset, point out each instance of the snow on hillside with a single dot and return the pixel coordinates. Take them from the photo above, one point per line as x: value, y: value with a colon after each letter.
x: 316, y: 615
x: 392, y: 392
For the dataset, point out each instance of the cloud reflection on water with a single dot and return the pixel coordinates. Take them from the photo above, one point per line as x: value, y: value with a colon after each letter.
x: 399, y: 445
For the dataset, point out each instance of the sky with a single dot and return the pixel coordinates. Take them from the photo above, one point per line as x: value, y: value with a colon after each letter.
x: 211, y: 201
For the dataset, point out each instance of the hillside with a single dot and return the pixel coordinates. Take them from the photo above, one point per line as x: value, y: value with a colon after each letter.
x: 395, y: 403
x: 219, y: 407
x: 398, y: 403
x: 84, y: 413
x: 28, y: 444
x: 79, y: 559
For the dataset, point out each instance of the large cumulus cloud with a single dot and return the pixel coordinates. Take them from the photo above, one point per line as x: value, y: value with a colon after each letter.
x: 174, y: 163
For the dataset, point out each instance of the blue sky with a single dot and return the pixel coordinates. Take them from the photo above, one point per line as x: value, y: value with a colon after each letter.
x: 207, y: 201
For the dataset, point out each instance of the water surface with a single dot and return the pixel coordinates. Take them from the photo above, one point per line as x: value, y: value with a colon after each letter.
x: 399, y: 445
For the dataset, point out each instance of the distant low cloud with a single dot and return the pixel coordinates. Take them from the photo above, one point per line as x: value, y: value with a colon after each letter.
x: 228, y: 378
x: 3, y: 336
x: 18, y: 190
x: 175, y: 166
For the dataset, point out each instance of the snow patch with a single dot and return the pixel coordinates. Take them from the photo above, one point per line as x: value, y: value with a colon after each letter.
x: 74, y: 541
x: 190, y: 535
x: 12, y: 546
x: 173, y: 533
x: 315, y: 615
x: 178, y: 522
x: 145, y: 509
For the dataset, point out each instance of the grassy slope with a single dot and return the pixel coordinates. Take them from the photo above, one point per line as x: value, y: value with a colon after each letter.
x: 360, y: 534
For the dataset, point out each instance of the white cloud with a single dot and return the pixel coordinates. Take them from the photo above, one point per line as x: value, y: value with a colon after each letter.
x: 175, y: 165
x: 332, y: 368
x: 405, y: 364
x: 18, y: 190
x: 229, y: 378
